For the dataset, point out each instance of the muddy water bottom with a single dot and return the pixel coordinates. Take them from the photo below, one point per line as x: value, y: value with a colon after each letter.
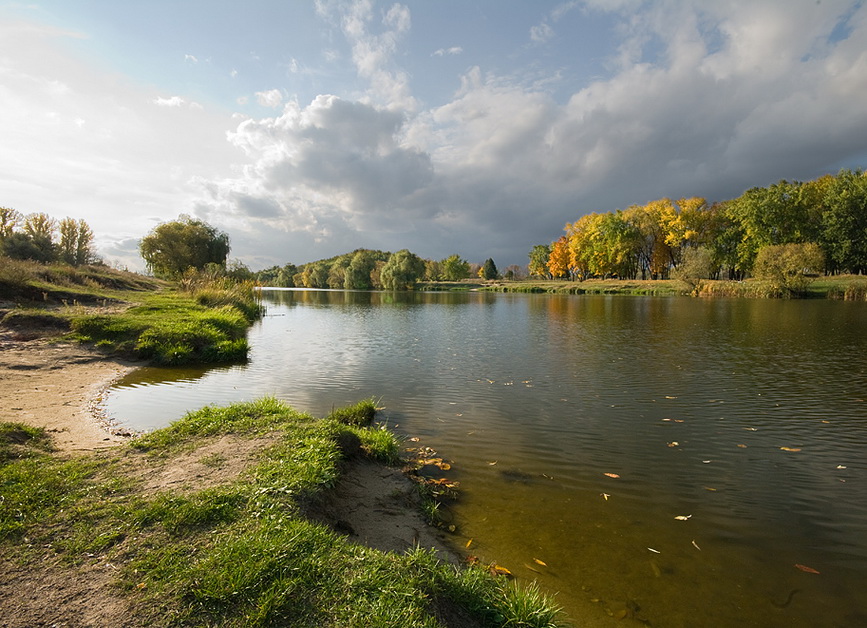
x: 668, y: 461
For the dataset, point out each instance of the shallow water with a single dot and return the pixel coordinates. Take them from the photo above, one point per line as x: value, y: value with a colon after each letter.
x: 536, y: 397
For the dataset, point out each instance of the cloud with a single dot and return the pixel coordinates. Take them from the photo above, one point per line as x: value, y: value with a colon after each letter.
x: 703, y: 99
x: 191, y: 59
x: 541, y: 33
x: 271, y: 98
x: 173, y: 101
x: 372, y: 52
x: 454, y: 50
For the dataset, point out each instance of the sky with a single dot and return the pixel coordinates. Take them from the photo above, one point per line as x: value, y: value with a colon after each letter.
x: 308, y: 129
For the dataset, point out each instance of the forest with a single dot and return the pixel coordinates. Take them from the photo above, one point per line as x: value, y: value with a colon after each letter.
x: 820, y: 224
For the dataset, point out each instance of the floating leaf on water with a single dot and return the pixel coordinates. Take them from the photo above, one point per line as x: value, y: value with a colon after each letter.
x: 790, y: 448
x: 452, y: 528
x: 683, y: 517
x: 540, y: 562
x: 612, y: 475
x: 710, y: 488
x: 655, y: 551
x: 751, y: 429
x: 678, y: 420
x: 467, y: 546
x: 492, y: 463
x: 695, y: 545
x: 499, y: 570
x: 706, y: 461
x: 666, y: 419
x: 670, y: 397
x: 414, y: 439
x: 806, y: 569
x: 674, y: 443
x: 605, y: 496
x: 841, y: 466
x: 742, y: 446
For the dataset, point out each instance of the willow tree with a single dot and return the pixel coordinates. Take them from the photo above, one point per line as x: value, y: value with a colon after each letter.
x: 173, y: 247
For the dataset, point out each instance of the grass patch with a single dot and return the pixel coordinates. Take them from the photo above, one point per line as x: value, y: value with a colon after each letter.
x: 240, y: 552
x: 168, y: 328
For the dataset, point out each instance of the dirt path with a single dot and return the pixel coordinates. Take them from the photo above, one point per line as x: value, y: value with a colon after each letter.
x: 55, y: 386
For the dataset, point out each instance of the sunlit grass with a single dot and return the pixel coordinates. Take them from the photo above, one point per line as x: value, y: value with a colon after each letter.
x: 239, y: 552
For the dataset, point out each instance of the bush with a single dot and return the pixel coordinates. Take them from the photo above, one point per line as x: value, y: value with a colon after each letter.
x: 788, y: 267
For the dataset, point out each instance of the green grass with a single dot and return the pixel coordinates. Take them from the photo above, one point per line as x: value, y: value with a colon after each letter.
x: 239, y: 552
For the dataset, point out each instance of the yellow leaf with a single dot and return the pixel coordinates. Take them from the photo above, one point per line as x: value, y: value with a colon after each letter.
x: 790, y: 448
x: 612, y: 475
x: 499, y: 570
x: 539, y: 562
x: 683, y: 517
x: 467, y: 546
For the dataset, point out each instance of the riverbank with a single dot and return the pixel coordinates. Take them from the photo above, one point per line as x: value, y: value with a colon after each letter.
x: 841, y: 287
x: 241, y: 516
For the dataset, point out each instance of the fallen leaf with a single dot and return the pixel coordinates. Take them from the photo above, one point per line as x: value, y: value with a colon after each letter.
x: 674, y: 443
x: 806, y: 569
x: 710, y: 488
x: 612, y: 475
x: 790, y: 448
x: 683, y: 517
x: 695, y: 545
x: 655, y: 551
x: 841, y: 466
x: 605, y: 495
x: 706, y: 461
x: 751, y: 429
x: 742, y: 446
x: 670, y: 397
x: 539, y: 562
x: 414, y: 439
x: 499, y: 570
x: 467, y: 546
x: 492, y: 463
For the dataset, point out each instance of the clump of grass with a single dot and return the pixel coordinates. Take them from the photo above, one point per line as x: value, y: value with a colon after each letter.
x: 30, y: 318
x: 169, y: 328
x: 241, y: 553
x: 359, y: 414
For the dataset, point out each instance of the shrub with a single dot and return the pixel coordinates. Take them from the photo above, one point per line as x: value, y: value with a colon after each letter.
x: 788, y: 267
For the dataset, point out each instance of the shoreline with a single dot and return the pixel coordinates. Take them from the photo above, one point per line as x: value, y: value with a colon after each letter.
x: 58, y: 386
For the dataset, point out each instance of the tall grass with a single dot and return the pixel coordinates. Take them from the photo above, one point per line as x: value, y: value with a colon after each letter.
x: 239, y: 552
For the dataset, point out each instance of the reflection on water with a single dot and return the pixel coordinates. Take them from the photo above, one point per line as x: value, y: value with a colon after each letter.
x: 747, y: 419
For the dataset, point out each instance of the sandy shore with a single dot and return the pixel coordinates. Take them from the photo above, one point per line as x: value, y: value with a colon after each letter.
x: 57, y: 386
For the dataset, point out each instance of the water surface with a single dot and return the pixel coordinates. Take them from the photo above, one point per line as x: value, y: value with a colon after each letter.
x: 745, y: 417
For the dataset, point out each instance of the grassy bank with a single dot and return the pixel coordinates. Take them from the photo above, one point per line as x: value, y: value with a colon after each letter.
x: 203, y: 320
x: 228, y: 541
x: 843, y: 287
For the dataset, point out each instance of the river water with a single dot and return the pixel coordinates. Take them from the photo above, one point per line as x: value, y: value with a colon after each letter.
x: 650, y: 460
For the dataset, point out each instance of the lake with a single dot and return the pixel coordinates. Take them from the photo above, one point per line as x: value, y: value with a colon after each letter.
x: 665, y: 460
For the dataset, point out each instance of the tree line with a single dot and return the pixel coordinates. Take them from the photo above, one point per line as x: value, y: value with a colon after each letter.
x: 821, y: 222
x: 43, y: 239
x: 366, y: 269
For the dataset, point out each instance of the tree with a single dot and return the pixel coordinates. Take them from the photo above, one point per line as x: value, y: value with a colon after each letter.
x: 455, y: 268
x: 9, y: 219
x: 76, y: 242
x: 402, y: 271
x: 560, y: 259
x: 697, y: 264
x: 172, y: 247
x: 433, y: 270
x: 358, y: 272
x: 539, y: 255
x: 489, y: 270
x: 19, y: 245
x: 787, y: 267
x: 513, y: 272
x: 844, y: 222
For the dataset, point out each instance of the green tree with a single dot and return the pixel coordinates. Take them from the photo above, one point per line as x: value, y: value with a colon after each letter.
x: 433, y: 270
x: 173, y: 247
x: 455, y: 268
x: 357, y: 275
x: 19, y: 245
x: 402, y: 271
x: 489, y: 270
x: 844, y: 222
x: 539, y: 255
